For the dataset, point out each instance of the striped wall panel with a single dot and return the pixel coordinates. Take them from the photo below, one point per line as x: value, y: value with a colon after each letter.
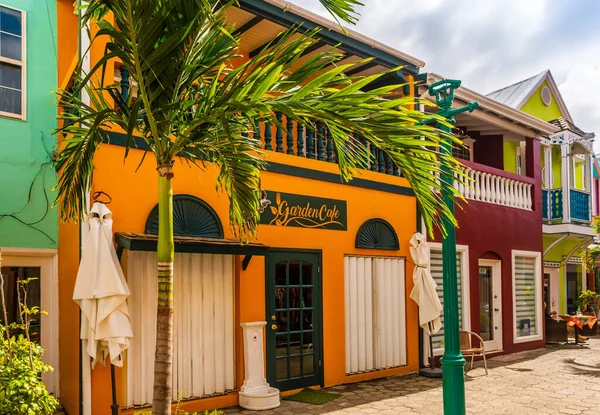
x: 435, y: 267
x: 525, y: 294
x: 375, y: 313
x: 203, y: 342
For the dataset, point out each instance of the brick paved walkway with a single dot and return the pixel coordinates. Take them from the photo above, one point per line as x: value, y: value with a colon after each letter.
x: 556, y: 380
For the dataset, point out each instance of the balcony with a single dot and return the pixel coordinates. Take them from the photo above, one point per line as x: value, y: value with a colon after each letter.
x: 302, y: 141
x: 491, y: 185
x: 554, y: 206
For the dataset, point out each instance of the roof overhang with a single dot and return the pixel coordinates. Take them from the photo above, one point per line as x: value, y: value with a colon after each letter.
x: 494, y: 113
x: 267, y: 18
x: 571, y: 229
x: 188, y: 244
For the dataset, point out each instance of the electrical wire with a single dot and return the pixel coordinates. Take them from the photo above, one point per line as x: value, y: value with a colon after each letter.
x: 31, y: 224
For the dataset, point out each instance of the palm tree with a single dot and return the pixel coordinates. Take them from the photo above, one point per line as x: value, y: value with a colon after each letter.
x: 192, y: 103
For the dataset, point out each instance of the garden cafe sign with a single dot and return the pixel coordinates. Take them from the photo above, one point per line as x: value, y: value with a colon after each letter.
x: 287, y: 209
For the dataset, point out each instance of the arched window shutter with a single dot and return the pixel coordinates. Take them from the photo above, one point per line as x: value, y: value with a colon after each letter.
x: 191, y: 217
x: 377, y: 234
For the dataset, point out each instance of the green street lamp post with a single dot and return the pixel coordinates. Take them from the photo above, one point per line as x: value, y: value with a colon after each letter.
x: 453, y: 377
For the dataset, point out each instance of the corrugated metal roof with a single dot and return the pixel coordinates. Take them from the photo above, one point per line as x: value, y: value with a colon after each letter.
x: 513, y: 95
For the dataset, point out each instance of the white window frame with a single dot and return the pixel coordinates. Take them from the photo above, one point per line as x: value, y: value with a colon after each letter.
x: 538, y: 296
x: 47, y: 261
x: 23, y: 64
x: 463, y: 250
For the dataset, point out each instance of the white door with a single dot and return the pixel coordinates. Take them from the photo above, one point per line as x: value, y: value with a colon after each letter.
x: 42, y: 265
x: 551, y: 292
x: 490, y: 303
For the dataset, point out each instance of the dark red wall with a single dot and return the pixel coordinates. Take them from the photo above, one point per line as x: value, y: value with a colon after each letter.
x: 490, y: 229
x: 489, y: 151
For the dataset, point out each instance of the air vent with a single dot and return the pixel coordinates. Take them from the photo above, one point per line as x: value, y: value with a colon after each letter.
x: 546, y: 96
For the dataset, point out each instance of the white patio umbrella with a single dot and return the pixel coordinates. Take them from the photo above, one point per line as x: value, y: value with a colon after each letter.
x: 425, y: 295
x: 101, y: 292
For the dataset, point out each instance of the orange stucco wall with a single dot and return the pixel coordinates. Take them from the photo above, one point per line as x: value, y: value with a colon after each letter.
x: 135, y: 193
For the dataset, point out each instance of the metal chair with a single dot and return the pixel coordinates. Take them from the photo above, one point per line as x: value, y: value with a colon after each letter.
x: 467, y: 349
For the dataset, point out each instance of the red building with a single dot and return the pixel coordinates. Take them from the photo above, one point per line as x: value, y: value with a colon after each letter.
x: 499, y: 234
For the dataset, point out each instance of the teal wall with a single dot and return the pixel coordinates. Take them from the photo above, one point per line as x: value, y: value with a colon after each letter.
x: 25, y: 146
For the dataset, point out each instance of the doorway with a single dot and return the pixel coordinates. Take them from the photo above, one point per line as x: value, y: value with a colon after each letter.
x: 573, y: 287
x: 40, y: 268
x: 294, y: 328
x: 490, y: 303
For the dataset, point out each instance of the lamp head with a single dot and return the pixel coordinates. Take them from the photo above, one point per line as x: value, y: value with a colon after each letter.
x: 443, y: 91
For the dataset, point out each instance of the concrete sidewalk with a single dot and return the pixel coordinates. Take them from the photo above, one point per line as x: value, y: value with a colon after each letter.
x: 561, y: 379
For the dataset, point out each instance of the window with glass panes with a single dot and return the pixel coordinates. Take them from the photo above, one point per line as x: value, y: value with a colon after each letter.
x: 437, y: 274
x: 12, y: 61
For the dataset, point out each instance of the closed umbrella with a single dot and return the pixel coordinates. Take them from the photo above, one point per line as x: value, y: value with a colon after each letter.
x: 424, y: 292
x: 101, y: 292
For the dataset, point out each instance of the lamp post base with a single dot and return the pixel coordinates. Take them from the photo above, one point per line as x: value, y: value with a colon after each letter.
x: 453, y: 384
x: 428, y: 372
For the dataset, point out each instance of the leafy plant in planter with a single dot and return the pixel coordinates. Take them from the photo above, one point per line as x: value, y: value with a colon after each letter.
x: 22, y: 391
x: 588, y: 301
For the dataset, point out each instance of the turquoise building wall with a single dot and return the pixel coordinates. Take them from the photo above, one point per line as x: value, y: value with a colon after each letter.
x: 26, y: 219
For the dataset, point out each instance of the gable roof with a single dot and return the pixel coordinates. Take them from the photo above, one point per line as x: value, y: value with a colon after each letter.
x: 494, y: 112
x: 563, y: 124
x: 516, y: 95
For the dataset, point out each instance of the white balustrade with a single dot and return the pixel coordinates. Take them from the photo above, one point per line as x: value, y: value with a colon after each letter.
x: 491, y: 188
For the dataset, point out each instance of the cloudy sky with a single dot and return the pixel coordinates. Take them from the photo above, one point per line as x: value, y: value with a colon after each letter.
x: 494, y: 43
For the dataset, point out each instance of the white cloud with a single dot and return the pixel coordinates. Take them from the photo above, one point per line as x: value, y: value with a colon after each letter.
x: 491, y: 44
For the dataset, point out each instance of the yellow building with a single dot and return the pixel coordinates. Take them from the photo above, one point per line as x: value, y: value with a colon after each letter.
x: 567, y: 191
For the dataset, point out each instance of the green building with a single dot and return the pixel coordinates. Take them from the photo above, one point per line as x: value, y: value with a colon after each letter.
x: 28, y: 224
x: 567, y: 188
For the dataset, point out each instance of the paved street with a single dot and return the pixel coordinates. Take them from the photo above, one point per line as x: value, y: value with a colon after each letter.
x: 556, y: 380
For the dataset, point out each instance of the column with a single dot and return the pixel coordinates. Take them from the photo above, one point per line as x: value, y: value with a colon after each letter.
x: 565, y: 180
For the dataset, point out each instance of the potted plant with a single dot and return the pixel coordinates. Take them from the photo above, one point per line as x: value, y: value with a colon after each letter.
x: 588, y: 302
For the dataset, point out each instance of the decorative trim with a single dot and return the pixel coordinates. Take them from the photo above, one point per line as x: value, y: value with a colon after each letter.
x: 549, y: 264
x: 539, y: 322
x: 377, y: 233
x: 120, y: 139
x: 546, y: 95
x: 192, y: 216
x: 47, y: 261
x: 335, y: 178
x: 29, y: 252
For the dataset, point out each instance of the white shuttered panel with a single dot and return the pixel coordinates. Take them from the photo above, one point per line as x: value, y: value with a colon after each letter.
x: 375, y: 323
x: 203, y: 344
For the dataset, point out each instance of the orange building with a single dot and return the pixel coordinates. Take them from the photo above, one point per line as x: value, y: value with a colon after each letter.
x: 328, y: 270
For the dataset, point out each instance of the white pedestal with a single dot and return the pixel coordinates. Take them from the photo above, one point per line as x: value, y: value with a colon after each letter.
x: 256, y: 394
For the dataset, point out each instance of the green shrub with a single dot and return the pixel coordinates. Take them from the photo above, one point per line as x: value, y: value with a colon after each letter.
x: 22, y: 391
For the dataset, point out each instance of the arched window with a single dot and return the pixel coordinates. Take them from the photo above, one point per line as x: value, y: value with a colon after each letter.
x: 191, y: 217
x: 377, y: 234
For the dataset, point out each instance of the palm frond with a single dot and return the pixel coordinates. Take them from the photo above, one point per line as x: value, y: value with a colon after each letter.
x: 344, y: 10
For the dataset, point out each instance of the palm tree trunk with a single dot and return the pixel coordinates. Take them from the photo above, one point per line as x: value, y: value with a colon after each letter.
x: 163, y: 370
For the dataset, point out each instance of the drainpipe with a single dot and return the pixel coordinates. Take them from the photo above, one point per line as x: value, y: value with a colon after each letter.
x: 85, y: 371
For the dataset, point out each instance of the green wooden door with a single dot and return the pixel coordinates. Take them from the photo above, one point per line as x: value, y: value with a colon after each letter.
x: 294, y: 329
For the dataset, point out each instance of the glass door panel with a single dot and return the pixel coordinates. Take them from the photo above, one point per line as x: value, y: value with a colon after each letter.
x: 486, y: 309
x: 294, y: 309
